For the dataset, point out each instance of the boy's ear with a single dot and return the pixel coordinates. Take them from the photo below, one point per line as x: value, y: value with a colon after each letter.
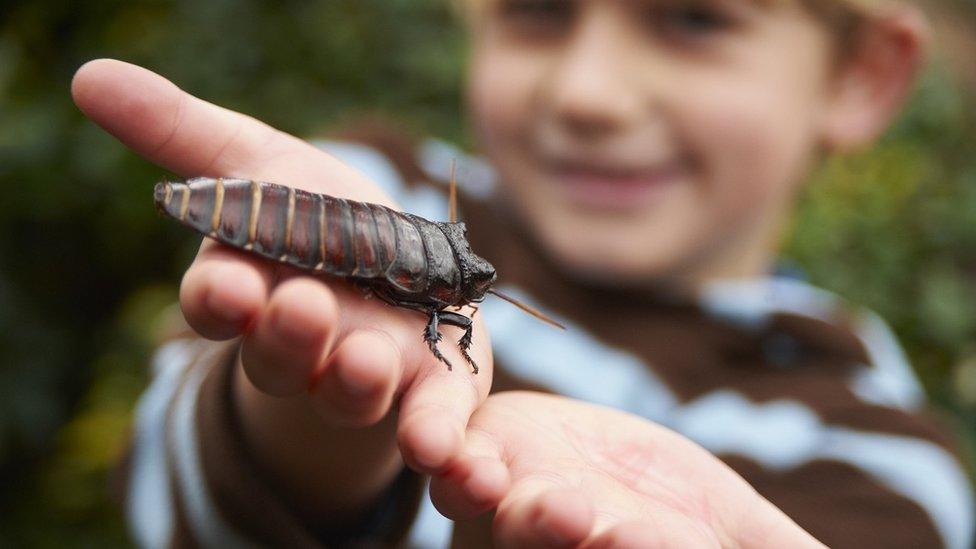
x: 874, y: 77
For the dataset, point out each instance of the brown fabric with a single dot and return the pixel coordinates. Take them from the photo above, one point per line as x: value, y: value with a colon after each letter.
x: 232, y: 480
x: 840, y: 506
x: 473, y: 534
x: 503, y: 380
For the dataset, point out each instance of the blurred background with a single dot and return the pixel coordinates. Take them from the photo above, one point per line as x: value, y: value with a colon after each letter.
x: 86, y: 266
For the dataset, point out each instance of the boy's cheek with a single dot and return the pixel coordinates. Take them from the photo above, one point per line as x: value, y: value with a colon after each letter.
x: 499, y: 93
x: 763, y: 158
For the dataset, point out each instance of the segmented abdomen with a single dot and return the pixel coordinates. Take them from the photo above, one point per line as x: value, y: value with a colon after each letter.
x: 311, y: 231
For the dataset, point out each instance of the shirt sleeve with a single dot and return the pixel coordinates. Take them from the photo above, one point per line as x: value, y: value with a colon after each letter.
x: 191, y: 482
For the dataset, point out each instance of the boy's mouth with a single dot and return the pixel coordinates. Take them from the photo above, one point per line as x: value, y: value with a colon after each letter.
x: 615, y: 189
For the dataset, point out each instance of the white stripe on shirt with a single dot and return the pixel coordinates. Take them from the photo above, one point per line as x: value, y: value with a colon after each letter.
x: 149, y: 505
x: 209, y: 529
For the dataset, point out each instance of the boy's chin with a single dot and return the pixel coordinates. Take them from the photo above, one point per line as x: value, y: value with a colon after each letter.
x: 641, y: 282
x: 607, y: 268
x: 652, y: 249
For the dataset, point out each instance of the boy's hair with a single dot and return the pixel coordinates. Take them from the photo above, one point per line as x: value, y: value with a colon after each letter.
x: 843, y: 18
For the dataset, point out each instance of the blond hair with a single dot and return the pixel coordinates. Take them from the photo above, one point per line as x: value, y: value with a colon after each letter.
x: 843, y: 18
x: 864, y: 7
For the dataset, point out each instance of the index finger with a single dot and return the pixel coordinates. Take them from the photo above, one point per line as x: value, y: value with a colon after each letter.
x: 189, y: 136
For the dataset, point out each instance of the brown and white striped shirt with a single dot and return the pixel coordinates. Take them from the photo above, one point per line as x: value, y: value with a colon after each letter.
x: 809, y: 399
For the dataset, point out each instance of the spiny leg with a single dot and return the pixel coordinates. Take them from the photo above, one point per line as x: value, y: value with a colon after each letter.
x: 465, y: 342
x: 463, y: 322
x: 432, y: 336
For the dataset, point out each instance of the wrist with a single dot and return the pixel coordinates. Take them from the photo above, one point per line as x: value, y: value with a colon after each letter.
x: 322, y: 471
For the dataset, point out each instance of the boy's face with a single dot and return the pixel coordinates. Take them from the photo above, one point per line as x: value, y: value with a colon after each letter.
x: 651, y: 140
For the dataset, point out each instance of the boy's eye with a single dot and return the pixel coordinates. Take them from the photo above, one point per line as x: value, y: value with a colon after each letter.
x: 690, y: 21
x: 535, y: 8
x: 694, y: 19
x: 536, y: 18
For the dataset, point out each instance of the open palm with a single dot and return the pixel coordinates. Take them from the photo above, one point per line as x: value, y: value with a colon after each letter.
x: 584, y: 474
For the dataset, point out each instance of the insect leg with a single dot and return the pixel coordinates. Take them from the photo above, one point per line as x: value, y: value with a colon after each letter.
x: 463, y: 322
x: 432, y: 336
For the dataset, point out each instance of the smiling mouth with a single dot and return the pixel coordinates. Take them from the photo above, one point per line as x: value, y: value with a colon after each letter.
x: 602, y: 187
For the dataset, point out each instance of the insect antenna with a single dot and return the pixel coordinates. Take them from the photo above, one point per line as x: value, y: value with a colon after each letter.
x: 452, y: 194
x: 531, y: 310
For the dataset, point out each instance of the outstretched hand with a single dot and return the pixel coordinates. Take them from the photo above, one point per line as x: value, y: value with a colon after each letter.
x: 353, y: 358
x: 566, y: 473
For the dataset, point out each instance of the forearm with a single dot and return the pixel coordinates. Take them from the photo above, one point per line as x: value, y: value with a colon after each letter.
x: 325, y: 473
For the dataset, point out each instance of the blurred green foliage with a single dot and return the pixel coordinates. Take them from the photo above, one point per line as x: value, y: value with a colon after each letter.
x: 894, y: 228
x: 86, y: 266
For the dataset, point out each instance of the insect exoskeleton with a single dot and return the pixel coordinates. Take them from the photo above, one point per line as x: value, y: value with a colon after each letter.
x: 406, y: 260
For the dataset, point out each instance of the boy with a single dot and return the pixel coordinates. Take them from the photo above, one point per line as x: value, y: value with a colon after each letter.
x: 646, y: 154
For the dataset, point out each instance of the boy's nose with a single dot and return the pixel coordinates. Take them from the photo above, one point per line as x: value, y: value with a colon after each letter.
x: 590, y: 89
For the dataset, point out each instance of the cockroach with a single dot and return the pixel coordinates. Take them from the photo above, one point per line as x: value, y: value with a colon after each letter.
x: 404, y: 259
